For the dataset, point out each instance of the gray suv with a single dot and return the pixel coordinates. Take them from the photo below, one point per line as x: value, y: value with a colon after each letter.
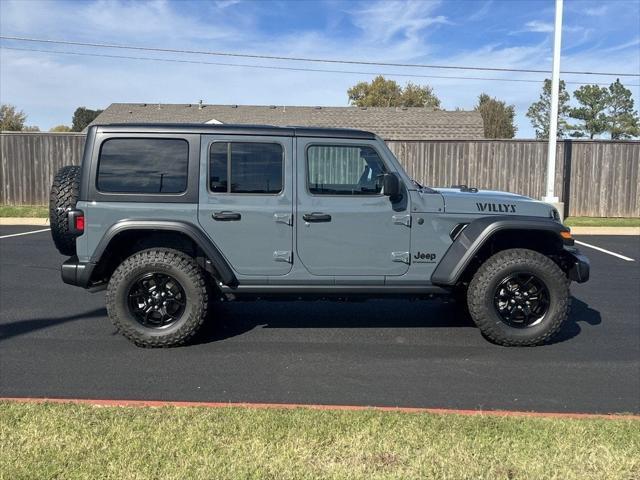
x: 171, y: 218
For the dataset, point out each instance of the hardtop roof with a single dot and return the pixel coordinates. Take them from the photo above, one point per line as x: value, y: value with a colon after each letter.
x: 229, y: 129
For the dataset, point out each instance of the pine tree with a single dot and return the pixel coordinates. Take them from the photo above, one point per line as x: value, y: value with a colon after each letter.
x: 622, y: 119
x: 593, y: 102
x: 540, y: 112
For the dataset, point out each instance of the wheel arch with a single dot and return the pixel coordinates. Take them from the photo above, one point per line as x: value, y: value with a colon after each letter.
x: 128, y: 236
x: 487, y: 235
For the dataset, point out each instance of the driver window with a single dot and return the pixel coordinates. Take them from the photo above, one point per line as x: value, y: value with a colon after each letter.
x: 344, y: 170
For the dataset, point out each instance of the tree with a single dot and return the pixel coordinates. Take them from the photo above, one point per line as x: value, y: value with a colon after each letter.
x: 387, y: 93
x: 622, y: 119
x: 593, y: 102
x: 60, y: 129
x: 417, y: 96
x: 31, y: 128
x: 497, y: 116
x: 11, y: 120
x: 540, y: 112
x: 82, y: 117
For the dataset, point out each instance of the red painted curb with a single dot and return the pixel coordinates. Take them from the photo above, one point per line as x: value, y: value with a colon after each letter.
x: 289, y: 406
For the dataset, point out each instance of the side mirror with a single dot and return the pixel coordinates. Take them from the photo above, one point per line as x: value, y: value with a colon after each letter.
x: 391, y: 186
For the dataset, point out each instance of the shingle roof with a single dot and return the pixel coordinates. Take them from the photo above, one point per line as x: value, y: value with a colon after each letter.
x: 390, y: 123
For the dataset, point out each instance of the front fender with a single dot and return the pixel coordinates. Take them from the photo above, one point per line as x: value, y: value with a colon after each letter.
x: 479, y: 231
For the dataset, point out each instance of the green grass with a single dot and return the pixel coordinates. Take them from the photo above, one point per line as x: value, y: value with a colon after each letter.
x: 601, y: 222
x: 72, y: 441
x: 24, y: 211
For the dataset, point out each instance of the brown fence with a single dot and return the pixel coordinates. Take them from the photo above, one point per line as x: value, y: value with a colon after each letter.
x: 28, y: 162
x: 593, y: 178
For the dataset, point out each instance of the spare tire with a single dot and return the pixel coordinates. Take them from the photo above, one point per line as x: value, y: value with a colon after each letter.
x: 64, y: 196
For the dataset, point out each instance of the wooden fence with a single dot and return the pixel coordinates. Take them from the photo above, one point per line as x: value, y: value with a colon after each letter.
x: 593, y: 178
x: 29, y: 161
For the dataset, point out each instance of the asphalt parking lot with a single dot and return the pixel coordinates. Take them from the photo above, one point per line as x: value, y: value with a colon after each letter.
x: 56, y: 341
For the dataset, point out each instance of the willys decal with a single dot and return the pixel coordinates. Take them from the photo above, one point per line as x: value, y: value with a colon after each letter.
x: 496, y: 207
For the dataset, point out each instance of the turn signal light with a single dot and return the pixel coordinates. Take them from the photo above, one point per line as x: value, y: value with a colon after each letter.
x: 565, y: 235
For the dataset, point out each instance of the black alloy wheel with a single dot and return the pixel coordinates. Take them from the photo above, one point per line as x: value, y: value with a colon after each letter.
x: 521, y: 300
x: 156, y: 300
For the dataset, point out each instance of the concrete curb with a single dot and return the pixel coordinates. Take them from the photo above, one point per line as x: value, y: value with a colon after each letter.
x: 605, y: 230
x: 24, y: 221
x: 293, y: 406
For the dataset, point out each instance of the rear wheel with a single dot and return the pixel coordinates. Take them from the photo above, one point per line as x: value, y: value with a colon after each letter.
x: 519, y: 297
x: 158, y: 298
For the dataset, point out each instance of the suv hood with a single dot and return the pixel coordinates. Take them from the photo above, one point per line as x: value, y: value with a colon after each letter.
x: 491, y: 202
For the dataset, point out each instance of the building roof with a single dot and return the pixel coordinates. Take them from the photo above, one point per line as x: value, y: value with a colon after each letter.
x: 390, y: 123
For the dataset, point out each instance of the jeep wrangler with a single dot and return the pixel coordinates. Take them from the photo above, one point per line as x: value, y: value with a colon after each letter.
x: 170, y: 218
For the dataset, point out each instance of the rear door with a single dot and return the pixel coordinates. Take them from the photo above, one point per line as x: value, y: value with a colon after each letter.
x: 246, y: 201
x: 345, y: 225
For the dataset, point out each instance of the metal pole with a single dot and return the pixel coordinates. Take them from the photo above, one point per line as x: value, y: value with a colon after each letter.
x: 553, y: 117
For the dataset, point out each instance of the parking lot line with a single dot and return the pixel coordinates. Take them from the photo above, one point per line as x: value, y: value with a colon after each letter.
x: 605, y: 251
x: 25, y: 233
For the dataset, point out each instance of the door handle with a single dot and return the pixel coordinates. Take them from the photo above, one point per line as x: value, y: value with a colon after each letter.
x: 316, y: 217
x: 226, y: 216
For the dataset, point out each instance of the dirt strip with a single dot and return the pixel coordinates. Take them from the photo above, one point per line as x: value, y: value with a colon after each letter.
x: 288, y: 406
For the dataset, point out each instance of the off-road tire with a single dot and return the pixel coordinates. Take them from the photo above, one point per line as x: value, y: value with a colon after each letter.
x: 167, y: 261
x: 482, y: 288
x: 63, y: 197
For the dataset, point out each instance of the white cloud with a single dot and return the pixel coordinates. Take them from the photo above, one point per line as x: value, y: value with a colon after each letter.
x: 386, y: 20
x: 596, y: 11
x: 482, y: 12
x: 537, y: 26
x: 50, y: 87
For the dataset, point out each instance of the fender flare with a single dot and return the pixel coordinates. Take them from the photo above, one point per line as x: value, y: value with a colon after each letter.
x: 477, y: 233
x: 227, y: 277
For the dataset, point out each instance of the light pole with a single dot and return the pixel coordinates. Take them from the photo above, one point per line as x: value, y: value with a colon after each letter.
x: 550, y: 196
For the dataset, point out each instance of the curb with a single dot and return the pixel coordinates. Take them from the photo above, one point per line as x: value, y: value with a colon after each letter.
x: 24, y: 221
x: 605, y: 230
x: 292, y: 406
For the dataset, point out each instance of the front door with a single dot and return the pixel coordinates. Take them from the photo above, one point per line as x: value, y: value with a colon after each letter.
x: 246, y: 201
x: 345, y: 224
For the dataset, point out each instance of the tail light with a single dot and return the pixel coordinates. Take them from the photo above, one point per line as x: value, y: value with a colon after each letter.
x: 80, y: 223
x: 76, y: 222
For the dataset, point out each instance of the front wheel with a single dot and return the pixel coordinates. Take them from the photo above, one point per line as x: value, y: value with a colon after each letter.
x: 157, y: 298
x: 519, y: 297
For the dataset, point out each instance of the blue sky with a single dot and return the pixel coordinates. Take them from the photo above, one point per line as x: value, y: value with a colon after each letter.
x: 597, y: 36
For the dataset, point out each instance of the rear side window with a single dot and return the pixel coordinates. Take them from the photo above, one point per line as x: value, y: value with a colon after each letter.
x: 344, y: 170
x: 245, y: 167
x: 143, y: 165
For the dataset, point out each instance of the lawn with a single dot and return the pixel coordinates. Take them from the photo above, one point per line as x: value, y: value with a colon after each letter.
x: 24, y: 211
x: 601, y: 222
x: 83, y: 441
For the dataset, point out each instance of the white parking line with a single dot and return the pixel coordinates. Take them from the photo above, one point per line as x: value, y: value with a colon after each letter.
x: 25, y: 233
x: 605, y: 251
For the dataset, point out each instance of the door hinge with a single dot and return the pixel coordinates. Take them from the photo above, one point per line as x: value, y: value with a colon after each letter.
x: 402, y: 220
x: 400, y: 257
x: 283, y: 256
x: 285, y: 218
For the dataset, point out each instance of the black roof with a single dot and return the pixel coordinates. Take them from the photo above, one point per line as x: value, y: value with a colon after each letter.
x: 229, y: 129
